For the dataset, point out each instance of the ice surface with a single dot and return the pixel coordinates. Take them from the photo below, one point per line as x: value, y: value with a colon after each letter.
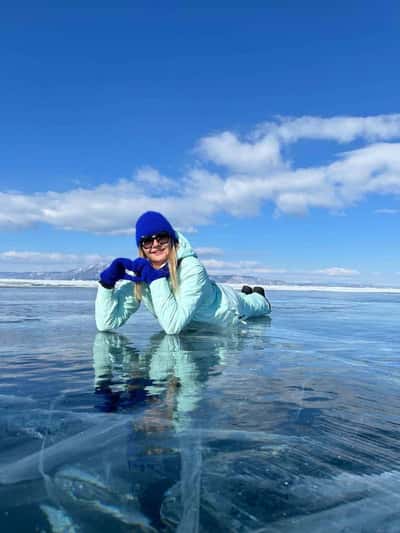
x: 49, y: 458
x: 288, y: 425
x: 59, y: 521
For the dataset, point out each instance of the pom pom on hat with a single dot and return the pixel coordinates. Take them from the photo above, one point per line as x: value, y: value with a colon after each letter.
x: 151, y: 223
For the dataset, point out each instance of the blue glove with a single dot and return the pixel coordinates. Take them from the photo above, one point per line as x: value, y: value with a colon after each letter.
x: 148, y: 273
x: 116, y: 271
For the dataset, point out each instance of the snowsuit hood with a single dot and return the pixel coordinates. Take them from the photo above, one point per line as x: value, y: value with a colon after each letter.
x: 184, y: 248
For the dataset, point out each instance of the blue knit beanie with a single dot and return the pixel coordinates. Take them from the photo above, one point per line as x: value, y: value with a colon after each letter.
x: 151, y: 223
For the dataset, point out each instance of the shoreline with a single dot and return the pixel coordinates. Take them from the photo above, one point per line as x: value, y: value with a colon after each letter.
x: 32, y: 283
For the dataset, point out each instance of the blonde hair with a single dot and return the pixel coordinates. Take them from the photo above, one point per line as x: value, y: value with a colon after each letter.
x: 172, y: 266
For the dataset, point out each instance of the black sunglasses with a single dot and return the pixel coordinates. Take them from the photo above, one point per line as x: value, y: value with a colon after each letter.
x: 147, y: 242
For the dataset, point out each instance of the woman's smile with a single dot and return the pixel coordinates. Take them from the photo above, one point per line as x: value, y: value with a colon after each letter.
x: 158, y: 255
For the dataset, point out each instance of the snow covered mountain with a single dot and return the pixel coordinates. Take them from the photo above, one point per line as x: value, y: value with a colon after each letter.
x: 92, y: 272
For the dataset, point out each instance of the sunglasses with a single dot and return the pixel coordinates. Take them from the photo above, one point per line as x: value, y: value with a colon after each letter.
x: 162, y: 238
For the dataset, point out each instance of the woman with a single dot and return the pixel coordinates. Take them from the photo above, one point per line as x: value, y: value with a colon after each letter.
x: 172, y: 283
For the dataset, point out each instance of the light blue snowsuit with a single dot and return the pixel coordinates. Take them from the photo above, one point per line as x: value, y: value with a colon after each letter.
x: 198, y: 300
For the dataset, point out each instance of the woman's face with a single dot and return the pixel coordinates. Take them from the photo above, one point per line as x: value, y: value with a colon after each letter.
x: 158, y: 253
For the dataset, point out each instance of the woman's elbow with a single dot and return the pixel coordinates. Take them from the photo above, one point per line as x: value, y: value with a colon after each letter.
x: 103, y: 325
x: 102, y: 328
x: 172, y: 329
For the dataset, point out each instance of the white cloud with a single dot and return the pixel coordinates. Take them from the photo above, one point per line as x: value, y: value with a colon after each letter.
x: 256, y: 269
x: 337, y: 271
x: 387, y: 211
x: 251, y: 171
x: 55, y: 258
x: 108, y: 208
x: 244, y: 268
x: 151, y: 177
x: 206, y: 251
x: 227, y: 150
x: 374, y: 169
x: 342, y: 128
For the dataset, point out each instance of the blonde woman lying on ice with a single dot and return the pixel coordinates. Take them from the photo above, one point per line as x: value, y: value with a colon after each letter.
x: 172, y: 283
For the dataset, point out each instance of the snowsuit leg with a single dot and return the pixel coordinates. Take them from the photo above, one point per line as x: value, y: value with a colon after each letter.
x: 253, y: 305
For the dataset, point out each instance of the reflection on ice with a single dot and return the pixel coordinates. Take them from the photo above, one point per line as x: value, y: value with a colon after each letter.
x: 174, y: 368
x: 93, y: 492
x: 51, y: 457
x: 204, y: 432
x: 347, y: 503
x: 190, y: 484
x: 59, y: 521
x: 77, y: 466
x: 251, y: 491
x: 80, y: 476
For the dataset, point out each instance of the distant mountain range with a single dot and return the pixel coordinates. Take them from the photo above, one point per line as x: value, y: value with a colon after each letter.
x: 92, y: 273
x: 88, y: 273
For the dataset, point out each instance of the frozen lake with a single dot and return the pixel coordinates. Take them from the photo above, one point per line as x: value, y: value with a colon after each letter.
x: 287, y: 425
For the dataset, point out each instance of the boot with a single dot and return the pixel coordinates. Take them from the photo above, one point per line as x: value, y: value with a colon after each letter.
x: 246, y: 289
x: 259, y: 290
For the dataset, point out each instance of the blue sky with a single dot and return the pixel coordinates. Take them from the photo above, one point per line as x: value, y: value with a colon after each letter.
x: 269, y: 135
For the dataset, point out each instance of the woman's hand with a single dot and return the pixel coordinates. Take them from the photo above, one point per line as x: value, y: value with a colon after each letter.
x: 149, y: 274
x: 117, y: 270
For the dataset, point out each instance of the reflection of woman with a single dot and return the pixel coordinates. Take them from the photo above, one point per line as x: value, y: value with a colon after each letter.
x: 172, y: 368
x: 119, y: 380
x: 172, y: 283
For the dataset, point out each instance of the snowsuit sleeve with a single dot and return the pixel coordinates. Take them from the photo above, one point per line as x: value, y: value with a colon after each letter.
x: 174, y: 312
x: 114, y: 306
